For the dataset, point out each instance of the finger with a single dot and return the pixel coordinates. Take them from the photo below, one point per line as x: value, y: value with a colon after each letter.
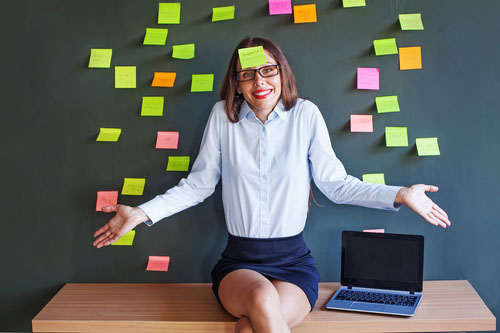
x: 431, y: 219
x: 100, y: 241
x: 113, y: 239
x: 439, y: 209
x: 443, y: 221
x: 109, y: 209
x: 432, y: 188
x: 101, y: 230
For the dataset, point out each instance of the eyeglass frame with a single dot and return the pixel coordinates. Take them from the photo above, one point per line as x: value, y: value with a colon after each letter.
x: 257, y: 70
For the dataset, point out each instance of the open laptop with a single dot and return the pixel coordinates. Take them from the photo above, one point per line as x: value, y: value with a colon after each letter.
x: 380, y: 273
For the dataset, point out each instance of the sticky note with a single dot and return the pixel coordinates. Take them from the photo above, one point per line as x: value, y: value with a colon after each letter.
x: 178, y: 163
x: 368, y: 78
x: 163, y: 79
x: 427, y: 146
x: 155, y: 36
x: 410, y: 58
x: 152, y: 106
x: 374, y: 178
x: 277, y: 7
x: 109, y: 134
x: 252, y: 56
x: 377, y: 231
x: 387, y: 104
x: 133, y: 186
x: 127, y: 239
x: 100, y: 58
x: 222, y: 13
x: 411, y: 21
x: 202, y: 82
x: 125, y: 77
x: 361, y: 123
x: 353, y: 3
x: 396, y: 136
x: 183, y: 51
x: 158, y: 263
x: 106, y: 198
x: 169, y: 13
x: 304, y: 13
x: 167, y: 140
x: 385, y: 46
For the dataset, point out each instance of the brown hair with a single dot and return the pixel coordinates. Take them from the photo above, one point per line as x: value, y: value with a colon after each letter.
x: 233, y: 101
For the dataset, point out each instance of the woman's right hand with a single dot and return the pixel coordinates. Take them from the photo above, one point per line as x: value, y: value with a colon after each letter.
x: 126, y: 219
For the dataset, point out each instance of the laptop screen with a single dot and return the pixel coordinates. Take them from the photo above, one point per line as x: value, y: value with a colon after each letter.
x: 384, y: 261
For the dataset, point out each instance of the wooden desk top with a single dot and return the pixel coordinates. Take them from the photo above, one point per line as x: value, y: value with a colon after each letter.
x: 187, y: 307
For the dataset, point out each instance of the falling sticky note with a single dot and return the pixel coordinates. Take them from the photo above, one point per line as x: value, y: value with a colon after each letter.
x: 396, y: 136
x: 163, y: 79
x: 427, y: 146
x: 377, y: 231
x: 109, y: 134
x: 411, y: 21
x: 387, y: 104
x: 125, y: 77
x: 155, y: 36
x: 183, y: 51
x: 178, y: 163
x: 100, y: 58
x: 252, y: 56
x: 385, y: 46
x: 127, y: 239
x: 152, y: 106
x: 410, y: 58
x: 368, y: 78
x: 202, y: 82
x: 353, y: 3
x: 373, y: 178
x: 277, y: 7
x: 133, y: 186
x: 361, y: 123
x: 167, y: 140
x: 169, y: 13
x: 158, y: 263
x: 222, y: 13
x: 106, y: 198
x: 304, y: 14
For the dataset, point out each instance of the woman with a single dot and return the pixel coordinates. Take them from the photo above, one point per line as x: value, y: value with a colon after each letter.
x: 266, y: 144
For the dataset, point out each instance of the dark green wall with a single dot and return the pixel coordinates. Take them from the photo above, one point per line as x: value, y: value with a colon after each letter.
x: 53, y: 106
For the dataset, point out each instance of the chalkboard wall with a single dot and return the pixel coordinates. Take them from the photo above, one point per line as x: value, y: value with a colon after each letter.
x: 53, y: 106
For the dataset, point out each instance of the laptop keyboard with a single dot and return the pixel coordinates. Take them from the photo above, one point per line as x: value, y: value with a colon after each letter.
x: 381, y: 298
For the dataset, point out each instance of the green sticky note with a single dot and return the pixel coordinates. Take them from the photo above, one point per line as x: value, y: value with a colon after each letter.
x: 169, y: 13
x: 109, y: 134
x: 133, y: 186
x: 152, y: 106
x: 178, y: 163
x: 353, y: 3
x: 252, y: 56
x: 387, y: 104
x: 396, y: 136
x: 184, y: 51
x: 202, y: 82
x: 100, y: 58
x: 127, y: 239
x: 222, y: 13
x: 374, y: 178
x: 155, y: 36
x: 411, y: 21
x: 427, y: 146
x: 385, y: 46
x: 125, y: 77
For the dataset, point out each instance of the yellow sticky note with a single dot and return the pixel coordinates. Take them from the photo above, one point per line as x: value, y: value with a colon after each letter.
x: 374, y: 178
x: 155, y: 36
x: 178, y: 163
x: 202, y: 82
x: 163, y: 79
x: 387, y: 104
x: 222, y: 13
x: 252, y: 56
x: 169, y: 13
x: 109, y: 134
x: 396, y: 136
x: 304, y: 13
x: 152, y: 106
x: 427, y: 146
x: 410, y: 58
x: 411, y: 21
x: 184, y: 51
x: 353, y: 3
x: 125, y: 77
x: 127, y: 239
x: 100, y: 58
x: 133, y: 186
x: 385, y: 46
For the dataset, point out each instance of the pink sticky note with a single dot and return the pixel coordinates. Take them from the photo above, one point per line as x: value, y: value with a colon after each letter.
x: 377, y: 231
x: 368, y: 78
x: 361, y: 123
x: 158, y: 263
x: 167, y: 140
x: 277, y: 7
x: 106, y: 198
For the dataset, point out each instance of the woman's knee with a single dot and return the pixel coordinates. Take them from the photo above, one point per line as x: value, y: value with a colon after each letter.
x: 263, y: 299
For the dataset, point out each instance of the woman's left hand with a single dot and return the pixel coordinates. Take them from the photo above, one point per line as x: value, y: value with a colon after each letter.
x: 415, y: 198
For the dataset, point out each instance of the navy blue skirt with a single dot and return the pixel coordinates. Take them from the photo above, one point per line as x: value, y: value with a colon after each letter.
x: 285, y: 258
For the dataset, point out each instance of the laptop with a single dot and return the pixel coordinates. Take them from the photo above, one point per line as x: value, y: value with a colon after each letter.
x: 380, y: 273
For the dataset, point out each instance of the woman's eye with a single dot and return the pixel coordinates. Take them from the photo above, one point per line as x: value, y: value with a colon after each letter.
x: 247, y: 75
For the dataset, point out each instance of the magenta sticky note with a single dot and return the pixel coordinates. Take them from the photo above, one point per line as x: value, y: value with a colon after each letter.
x: 167, y: 140
x: 277, y: 7
x: 158, y: 263
x: 361, y: 123
x: 377, y: 231
x: 106, y: 198
x: 368, y: 78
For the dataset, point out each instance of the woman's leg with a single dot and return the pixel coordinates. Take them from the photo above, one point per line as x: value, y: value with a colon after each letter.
x: 294, y: 303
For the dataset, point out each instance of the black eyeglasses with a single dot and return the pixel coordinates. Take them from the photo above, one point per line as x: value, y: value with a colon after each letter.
x: 249, y: 74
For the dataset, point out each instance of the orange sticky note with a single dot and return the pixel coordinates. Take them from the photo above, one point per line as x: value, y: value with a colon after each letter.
x: 106, y: 198
x: 410, y: 58
x: 361, y: 123
x: 304, y: 13
x: 167, y: 140
x: 378, y: 231
x: 163, y: 79
x: 158, y: 263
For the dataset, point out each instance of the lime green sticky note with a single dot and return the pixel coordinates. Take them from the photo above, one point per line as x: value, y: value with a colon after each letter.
x: 155, y: 36
x: 252, y: 56
x: 396, y: 136
x: 411, y: 21
x: 125, y: 77
x: 385, y: 46
x: 133, y: 186
x: 387, y: 104
x: 127, y: 239
x: 109, y: 134
x: 202, y: 82
x: 353, y: 3
x: 178, y: 163
x: 169, y: 13
x: 427, y: 146
x: 184, y: 51
x: 100, y: 58
x: 222, y: 13
x: 152, y: 106
x: 374, y: 178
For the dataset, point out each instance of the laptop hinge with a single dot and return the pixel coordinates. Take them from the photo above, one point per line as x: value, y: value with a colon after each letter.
x: 349, y: 286
x: 412, y: 292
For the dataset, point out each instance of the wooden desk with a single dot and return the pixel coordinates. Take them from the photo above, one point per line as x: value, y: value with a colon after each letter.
x: 191, y: 307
